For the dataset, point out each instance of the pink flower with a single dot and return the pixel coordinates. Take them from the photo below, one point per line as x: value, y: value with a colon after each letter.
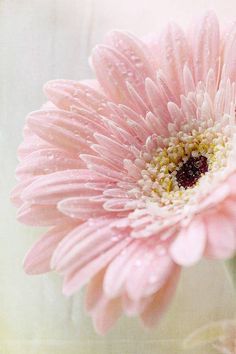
x: 134, y: 172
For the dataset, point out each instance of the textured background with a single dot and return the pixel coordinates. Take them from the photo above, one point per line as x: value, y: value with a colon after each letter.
x: 46, y: 39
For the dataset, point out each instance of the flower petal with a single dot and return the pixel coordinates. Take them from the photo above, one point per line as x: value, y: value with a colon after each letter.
x: 46, y: 161
x: 76, y: 96
x: 133, y: 49
x: 189, y: 245
x: 40, y: 215
x: 62, y: 129
x: 113, y: 71
x: 221, y: 239
x: 78, y: 278
x: 206, y: 46
x: 107, y: 314
x: 53, y: 188
x: 230, y: 54
x: 152, y: 274
x: 175, y: 53
x: 154, y: 311
x: 38, y: 258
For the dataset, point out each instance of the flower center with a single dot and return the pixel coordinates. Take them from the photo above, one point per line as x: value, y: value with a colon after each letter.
x: 176, y: 164
x: 191, y: 171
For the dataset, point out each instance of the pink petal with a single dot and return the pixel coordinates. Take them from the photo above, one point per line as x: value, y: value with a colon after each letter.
x: 38, y: 258
x: 77, y: 96
x: 133, y: 49
x: 30, y: 144
x: 78, y: 278
x: 119, y: 204
x: 189, y: 245
x: 60, y: 128
x: 57, y: 186
x: 189, y: 84
x: 106, y: 315
x: 40, y: 215
x: 46, y: 161
x: 85, y: 248
x: 221, y: 239
x: 175, y: 53
x: 94, y: 292
x: 119, y: 150
x: 102, y: 165
x: 17, y: 191
x: 82, y: 232
x: 120, y: 268
x: 152, y: 274
x: 81, y: 207
x: 113, y: 71
x: 157, y: 99
x: 109, y: 158
x: 134, y: 308
x: 153, y: 313
x: 157, y: 125
x: 206, y: 46
x: 230, y: 54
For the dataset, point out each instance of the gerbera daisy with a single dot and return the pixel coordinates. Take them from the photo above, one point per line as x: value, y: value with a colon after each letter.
x: 135, y: 171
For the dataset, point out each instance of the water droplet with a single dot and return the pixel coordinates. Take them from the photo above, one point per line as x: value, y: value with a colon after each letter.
x: 152, y: 279
x: 138, y: 263
x: 50, y: 157
x: 161, y: 251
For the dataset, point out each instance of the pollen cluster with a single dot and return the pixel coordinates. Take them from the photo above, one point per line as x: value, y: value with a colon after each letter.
x: 178, y: 165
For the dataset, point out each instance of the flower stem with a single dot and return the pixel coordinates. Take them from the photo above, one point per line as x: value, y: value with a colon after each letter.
x: 230, y: 266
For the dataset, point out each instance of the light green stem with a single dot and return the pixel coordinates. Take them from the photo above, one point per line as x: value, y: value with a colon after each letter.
x: 230, y: 266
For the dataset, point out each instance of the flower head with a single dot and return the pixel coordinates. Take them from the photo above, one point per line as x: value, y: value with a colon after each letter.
x: 134, y: 171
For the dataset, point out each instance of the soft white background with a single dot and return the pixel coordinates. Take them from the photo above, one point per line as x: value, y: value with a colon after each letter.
x: 46, y: 39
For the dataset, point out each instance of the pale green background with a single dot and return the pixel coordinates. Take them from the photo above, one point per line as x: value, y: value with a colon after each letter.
x: 42, y: 40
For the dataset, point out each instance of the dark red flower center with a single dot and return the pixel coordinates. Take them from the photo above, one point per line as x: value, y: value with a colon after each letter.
x: 190, y: 172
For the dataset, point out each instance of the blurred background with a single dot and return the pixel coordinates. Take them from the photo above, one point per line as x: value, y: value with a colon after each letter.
x: 49, y: 39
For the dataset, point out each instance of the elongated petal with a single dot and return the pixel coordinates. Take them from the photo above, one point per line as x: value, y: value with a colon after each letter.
x: 60, y: 128
x: 175, y: 54
x: 206, y: 46
x: 85, y: 249
x: 38, y: 258
x: 40, y: 215
x: 16, y: 193
x: 76, y: 96
x: 221, y: 240
x: 31, y: 143
x: 47, y: 161
x: 189, y: 245
x: 230, y: 54
x: 94, y: 292
x: 57, y: 186
x: 81, y: 207
x: 76, y: 279
x: 119, y: 269
x: 133, y: 49
x: 113, y: 71
x: 152, y: 274
x: 74, y: 238
x: 154, y: 311
x: 107, y: 314
x: 134, y: 308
